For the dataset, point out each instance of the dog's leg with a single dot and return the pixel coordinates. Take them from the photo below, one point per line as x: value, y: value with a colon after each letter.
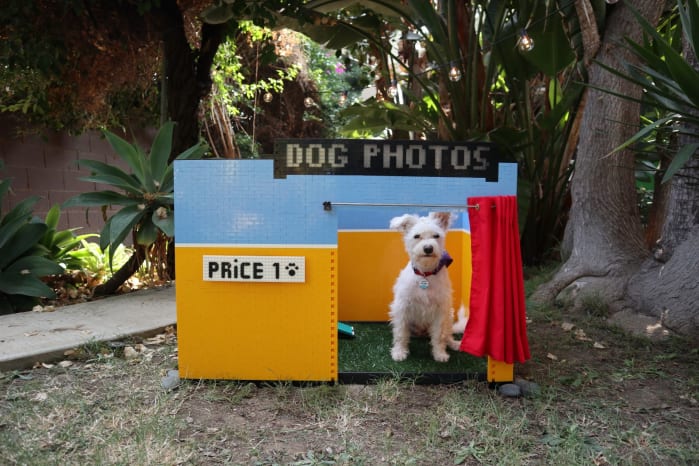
x: 439, y: 342
x: 453, y: 344
x: 458, y: 327
x: 401, y: 337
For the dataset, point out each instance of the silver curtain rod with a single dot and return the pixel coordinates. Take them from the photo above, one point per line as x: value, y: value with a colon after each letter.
x: 327, y: 205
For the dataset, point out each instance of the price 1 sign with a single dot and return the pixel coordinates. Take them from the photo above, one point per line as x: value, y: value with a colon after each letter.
x: 282, y: 269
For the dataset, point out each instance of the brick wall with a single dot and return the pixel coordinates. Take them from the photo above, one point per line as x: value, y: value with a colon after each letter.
x: 47, y: 164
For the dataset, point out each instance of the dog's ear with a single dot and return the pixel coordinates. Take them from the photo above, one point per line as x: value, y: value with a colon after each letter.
x: 443, y: 219
x: 403, y: 223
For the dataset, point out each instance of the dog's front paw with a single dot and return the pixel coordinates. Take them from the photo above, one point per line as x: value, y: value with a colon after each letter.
x: 399, y: 354
x: 440, y: 356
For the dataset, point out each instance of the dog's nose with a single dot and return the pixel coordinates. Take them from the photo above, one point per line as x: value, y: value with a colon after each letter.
x: 428, y: 249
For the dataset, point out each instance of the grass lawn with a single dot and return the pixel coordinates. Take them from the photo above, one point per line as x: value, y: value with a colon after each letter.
x: 369, y: 352
x: 606, y: 398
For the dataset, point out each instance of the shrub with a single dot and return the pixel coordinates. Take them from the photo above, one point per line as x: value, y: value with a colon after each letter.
x: 23, y: 260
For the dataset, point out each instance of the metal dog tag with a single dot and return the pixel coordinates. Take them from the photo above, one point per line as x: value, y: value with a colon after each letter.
x: 424, y: 284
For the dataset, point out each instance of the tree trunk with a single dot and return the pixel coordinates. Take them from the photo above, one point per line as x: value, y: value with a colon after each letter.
x: 187, y: 73
x: 667, y: 285
x: 131, y: 266
x: 187, y: 79
x: 604, y: 229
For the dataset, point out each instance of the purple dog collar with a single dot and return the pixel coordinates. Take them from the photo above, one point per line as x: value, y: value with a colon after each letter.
x: 444, y: 261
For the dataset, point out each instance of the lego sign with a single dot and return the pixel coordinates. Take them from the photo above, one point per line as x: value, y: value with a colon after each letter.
x: 392, y: 158
x: 254, y: 269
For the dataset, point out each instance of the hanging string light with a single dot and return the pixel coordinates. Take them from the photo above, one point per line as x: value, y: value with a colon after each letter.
x: 525, y: 42
x: 454, y: 73
x: 267, y: 97
x: 393, y: 90
x: 308, y: 102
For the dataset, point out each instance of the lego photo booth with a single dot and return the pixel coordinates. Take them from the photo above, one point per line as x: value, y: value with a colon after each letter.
x: 272, y: 254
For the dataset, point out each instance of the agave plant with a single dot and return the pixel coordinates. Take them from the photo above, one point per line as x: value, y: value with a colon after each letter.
x: 22, y: 257
x: 145, y: 195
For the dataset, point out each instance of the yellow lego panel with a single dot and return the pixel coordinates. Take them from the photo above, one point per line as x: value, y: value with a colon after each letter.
x: 370, y: 262
x: 247, y: 330
x: 499, y: 371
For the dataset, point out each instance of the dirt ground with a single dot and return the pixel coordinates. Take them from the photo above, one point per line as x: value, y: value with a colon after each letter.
x: 606, y: 397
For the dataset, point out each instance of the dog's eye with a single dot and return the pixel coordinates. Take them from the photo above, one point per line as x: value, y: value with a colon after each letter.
x: 435, y: 236
x: 416, y: 236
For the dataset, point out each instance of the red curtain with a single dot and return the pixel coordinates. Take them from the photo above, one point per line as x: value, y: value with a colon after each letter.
x: 497, y: 317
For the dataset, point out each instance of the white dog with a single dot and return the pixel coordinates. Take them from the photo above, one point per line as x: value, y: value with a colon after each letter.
x: 422, y: 294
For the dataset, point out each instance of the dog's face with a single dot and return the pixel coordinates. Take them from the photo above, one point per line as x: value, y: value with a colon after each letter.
x: 423, y: 237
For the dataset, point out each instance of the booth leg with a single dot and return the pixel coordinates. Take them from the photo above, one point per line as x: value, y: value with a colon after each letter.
x: 499, y: 371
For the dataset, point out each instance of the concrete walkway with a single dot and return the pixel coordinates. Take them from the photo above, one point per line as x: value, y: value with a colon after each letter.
x: 30, y: 337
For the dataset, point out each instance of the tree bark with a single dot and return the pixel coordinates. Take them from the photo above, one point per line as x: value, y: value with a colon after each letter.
x: 187, y: 73
x: 187, y: 79
x: 604, y: 229
x: 667, y: 286
x: 131, y: 266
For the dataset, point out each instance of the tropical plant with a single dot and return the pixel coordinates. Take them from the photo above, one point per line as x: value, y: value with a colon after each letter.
x: 22, y: 257
x: 92, y: 261
x: 457, y: 71
x: 669, y: 83
x: 60, y: 244
x: 145, y: 196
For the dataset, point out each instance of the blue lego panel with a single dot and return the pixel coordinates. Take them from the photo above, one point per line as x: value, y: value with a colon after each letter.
x: 240, y: 202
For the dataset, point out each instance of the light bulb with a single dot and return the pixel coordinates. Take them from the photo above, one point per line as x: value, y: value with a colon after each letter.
x: 308, y: 102
x: 454, y: 74
x: 393, y: 90
x: 267, y: 97
x: 525, y: 42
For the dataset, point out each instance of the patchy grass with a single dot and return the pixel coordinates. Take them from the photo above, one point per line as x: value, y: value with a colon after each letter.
x: 606, y: 398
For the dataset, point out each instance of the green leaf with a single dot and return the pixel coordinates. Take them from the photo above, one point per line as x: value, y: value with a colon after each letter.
x: 681, y: 158
x: 22, y: 211
x: 63, y: 237
x: 34, y: 265
x: 641, y: 134
x: 28, y: 285
x: 147, y: 233
x: 166, y: 224
x: 52, y: 217
x: 426, y: 15
x: 115, y: 182
x: 26, y: 237
x: 4, y: 187
x: 160, y: 151
x: 685, y: 76
x: 130, y: 154
x: 101, y: 198
x: 120, y: 225
x: 125, y: 181
x: 386, y: 8
x: 194, y: 152
x: 9, y: 230
x: 690, y: 22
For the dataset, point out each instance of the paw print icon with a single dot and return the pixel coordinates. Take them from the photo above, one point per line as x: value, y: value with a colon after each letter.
x: 291, y: 268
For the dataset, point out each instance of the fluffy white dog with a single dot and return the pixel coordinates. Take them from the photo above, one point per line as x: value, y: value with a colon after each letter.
x: 422, y: 294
